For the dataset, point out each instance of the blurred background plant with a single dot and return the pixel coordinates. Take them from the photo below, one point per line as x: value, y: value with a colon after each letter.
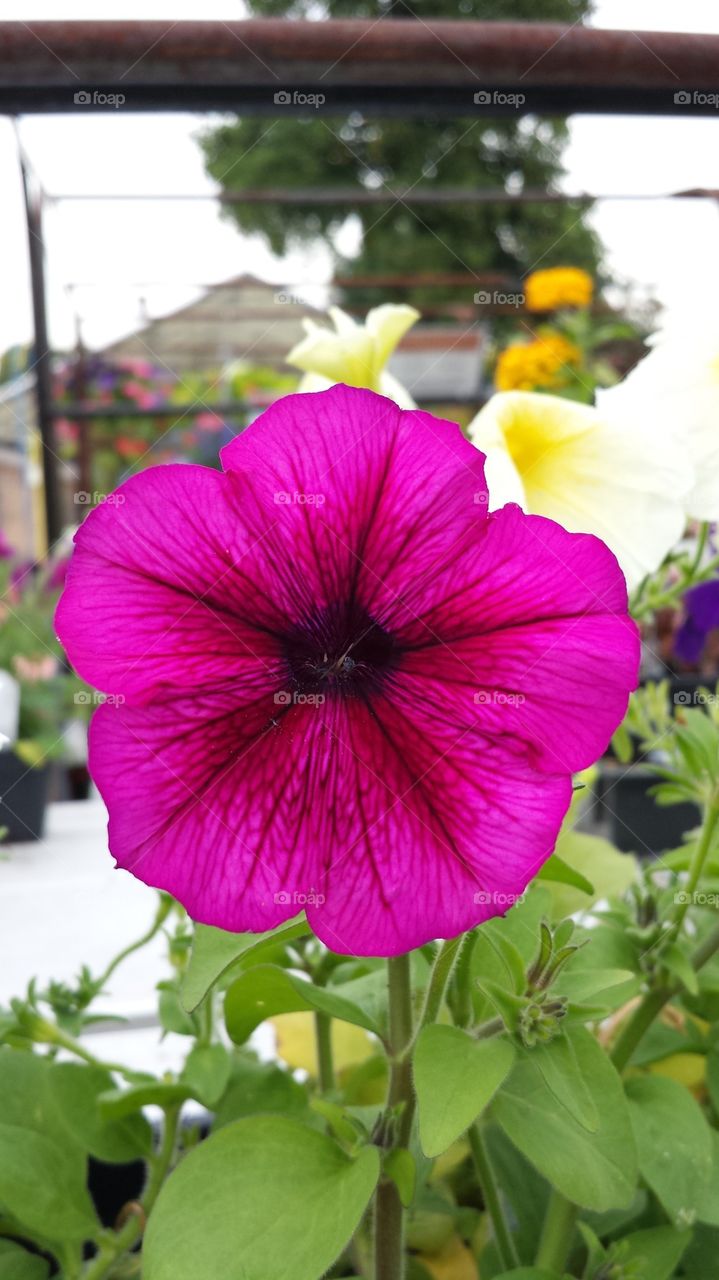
x: 113, y: 446
x: 31, y: 655
x: 564, y: 346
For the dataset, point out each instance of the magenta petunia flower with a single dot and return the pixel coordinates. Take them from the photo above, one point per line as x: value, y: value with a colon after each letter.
x: 335, y: 681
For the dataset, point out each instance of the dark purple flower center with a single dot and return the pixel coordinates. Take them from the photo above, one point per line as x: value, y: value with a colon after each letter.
x: 339, y: 649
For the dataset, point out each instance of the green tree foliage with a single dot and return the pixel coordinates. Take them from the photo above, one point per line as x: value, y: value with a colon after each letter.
x: 472, y: 152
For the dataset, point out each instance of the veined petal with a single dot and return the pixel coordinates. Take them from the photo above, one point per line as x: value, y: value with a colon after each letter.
x: 162, y: 593
x: 534, y: 635
x: 249, y: 817
x: 300, y: 642
x: 378, y: 512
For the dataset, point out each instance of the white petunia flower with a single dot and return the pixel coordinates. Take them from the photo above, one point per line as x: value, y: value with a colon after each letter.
x: 619, y: 479
x: 676, y: 388
x: 355, y: 353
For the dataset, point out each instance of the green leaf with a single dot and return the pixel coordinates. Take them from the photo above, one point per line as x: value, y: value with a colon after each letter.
x: 42, y: 1169
x: 259, y: 1087
x: 214, y: 952
x: 679, y: 964
x: 591, y: 984
x: 17, y: 1264
x: 708, y: 1210
x: 173, y: 1017
x: 76, y: 1090
x: 455, y: 1077
x: 611, y: 872
x: 400, y: 1167
x: 265, y: 990
x: 527, y: 1273
x: 605, y: 951
x: 596, y: 1170
x: 674, y: 1144
x: 655, y: 1252
x: 264, y: 1199
x: 117, y: 1103
x: 207, y: 1072
x: 713, y: 1076
x: 563, y: 1077
x: 559, y: 871
x: 489, y: 964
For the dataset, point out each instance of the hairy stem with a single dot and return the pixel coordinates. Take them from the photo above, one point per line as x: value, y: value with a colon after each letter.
x: 711, y: 816
x: 389, y: 1215
x: 128, y: 1235
x: 562, y: 1214
x: 160, y: 916
x: 323, y: 1041
x: 436, y: 987
x: 556, y: 1233
x: 506, y: 1248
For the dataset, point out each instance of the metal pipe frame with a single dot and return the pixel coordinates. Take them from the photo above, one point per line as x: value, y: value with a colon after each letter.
x: 276, y: 67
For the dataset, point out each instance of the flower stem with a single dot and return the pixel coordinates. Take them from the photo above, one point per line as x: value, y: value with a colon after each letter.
x: 506, y: 1248
x: 323, y: 1041
x: 437, y: 985
x: 160, y: 917
x: 561, y: 1214
x: 462, y: 1007
x: 106, y: 1257
x: 711, y: 816
x: 556, y: 1233
x: 636, y: 1027
x: 389, y: 1215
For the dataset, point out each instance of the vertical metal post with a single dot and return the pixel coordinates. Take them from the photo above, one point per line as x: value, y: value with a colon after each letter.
x: 42, y: 365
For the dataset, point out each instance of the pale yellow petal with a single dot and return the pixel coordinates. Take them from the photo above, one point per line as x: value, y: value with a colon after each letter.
x: 388, y: 324
x: 592, y: 475
x: 340, y: 358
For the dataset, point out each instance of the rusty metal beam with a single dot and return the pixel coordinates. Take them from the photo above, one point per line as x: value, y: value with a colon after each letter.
x: 391, y: 67
x: 388, y: 195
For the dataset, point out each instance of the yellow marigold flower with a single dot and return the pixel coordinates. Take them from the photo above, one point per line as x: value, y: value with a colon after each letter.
x: 545, y: 363
x: 558, y: 287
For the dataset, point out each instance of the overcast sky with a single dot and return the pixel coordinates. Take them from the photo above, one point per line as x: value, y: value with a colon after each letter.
x: 105, y: 248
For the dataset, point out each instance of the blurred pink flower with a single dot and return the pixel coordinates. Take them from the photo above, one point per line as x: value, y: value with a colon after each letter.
x: 33, y: 670
x: 208, y: 422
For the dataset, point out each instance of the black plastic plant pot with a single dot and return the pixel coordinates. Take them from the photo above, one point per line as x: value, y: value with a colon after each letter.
x: 637, y: 824
x: 23, y: 799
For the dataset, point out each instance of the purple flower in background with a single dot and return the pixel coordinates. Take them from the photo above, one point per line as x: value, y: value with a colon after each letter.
x: 701, y: 606
x: 57, y: 574
x: 19, y: 576
x: 6, y: 551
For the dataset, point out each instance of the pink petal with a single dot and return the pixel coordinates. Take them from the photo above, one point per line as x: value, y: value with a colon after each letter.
x: 531, y: 639
x: 375, y: 831
x: 371, y: 499
x: 158, y: 595
x: 318, y: 649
